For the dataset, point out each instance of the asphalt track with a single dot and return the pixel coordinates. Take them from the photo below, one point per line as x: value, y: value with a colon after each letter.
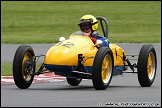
x: 123, y: 91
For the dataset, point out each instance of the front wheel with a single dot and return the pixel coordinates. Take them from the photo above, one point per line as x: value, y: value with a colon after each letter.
x: 147, y: 64
x: 23, y: 66
x: 102, y: 68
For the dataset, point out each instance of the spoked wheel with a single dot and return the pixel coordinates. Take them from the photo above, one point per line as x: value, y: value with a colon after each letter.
x: 147, y: 64
x: 23, y: 66
x: 73, y: 81
x: 102, y: 68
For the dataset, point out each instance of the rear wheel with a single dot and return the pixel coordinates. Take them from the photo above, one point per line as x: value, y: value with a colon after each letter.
x: 102, y: 68
x: 73, y: 81
x: 23, y: 66
x: 147, y: 64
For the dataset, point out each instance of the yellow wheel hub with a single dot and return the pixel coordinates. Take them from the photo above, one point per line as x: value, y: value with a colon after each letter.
x: 25, y: 76
x: 106, y: 69
x: 151, y: 66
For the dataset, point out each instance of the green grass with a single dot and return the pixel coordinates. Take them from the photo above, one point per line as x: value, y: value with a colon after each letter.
x: 45, y: 21
x: 6, y: 69
x: 28, y: 22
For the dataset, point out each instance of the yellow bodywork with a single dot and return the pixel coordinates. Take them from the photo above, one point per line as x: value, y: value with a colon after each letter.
x: 66, y: 52
x: 118, y: 54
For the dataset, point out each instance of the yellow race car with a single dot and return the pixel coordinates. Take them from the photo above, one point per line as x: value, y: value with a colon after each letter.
x: 79, y: 58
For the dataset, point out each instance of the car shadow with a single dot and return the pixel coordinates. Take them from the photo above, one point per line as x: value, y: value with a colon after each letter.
x: 80, y: 87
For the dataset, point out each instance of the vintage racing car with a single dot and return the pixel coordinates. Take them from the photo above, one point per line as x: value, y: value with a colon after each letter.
x: 78, y: 58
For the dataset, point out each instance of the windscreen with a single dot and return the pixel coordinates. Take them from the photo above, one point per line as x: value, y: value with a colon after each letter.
x: 79, y: 33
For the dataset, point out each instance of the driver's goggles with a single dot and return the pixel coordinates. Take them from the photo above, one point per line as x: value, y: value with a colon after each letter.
x: 86, y: 26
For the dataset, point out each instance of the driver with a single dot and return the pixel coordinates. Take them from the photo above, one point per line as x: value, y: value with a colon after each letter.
x: 89, y: 24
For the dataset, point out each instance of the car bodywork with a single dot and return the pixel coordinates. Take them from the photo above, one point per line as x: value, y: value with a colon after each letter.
x: 62, y: 58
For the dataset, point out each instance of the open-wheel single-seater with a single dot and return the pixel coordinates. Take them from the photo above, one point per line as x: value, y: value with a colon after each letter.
x: 78, y: 58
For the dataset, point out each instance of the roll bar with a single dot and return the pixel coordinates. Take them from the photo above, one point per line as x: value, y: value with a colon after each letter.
x: 104, y: 30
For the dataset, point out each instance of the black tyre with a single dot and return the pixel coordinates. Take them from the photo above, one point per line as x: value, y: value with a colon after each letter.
x: 23, y: 66
x: 73, y: 81
x: 147, y: 64
x: 102, y: 68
